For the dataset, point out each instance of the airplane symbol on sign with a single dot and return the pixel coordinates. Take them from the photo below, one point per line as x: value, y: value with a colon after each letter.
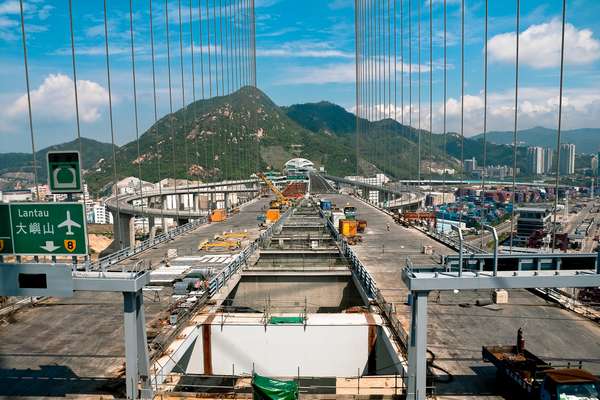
x: 69, y: 223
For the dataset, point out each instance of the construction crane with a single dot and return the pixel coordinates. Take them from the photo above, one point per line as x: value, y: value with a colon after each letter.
x: 281, y: 200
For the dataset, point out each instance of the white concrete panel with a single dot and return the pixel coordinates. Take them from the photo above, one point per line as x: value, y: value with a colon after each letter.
x: 278, y: 350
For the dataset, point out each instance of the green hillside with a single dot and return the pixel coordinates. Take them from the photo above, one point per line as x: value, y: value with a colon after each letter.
x: 219, y: 138
x: 92, y: 152
x: 233, y: 136
x: 585, y: 140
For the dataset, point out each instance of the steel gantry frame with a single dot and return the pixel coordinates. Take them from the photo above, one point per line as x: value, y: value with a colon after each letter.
x: 424, y: 280
x: 59, y: 281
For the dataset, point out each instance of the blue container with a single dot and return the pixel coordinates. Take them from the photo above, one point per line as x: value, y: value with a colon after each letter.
x: 325, y: 204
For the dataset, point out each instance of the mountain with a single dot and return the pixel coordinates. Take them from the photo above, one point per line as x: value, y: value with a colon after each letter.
x: 399, y: 142
x: 232, y: 136
x: 219, y: 138
x: 586, y: 140
x: 92, y: 152
x: 322, y: 117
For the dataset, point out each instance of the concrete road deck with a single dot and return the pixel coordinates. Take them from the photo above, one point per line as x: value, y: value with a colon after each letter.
x: 457, y: 328
x: 188, y: 244
x: 75, y: 346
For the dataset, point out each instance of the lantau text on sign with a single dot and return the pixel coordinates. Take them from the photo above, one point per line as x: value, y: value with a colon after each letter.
x: 45, y: 229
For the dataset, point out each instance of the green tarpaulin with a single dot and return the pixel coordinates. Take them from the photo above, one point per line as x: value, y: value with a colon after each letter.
x: 286, y: 320
x: 264, y: 388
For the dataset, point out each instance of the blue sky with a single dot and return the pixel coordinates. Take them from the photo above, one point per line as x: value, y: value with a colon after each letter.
x: 305, y: 53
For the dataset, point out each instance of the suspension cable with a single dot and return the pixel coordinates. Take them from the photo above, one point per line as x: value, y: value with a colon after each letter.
x: 171, y: 116
x: 514, y: 172
x: 76, y: 93
x: 357, y: 83
x: 155, y: 125
x: 112, y: 129
x: 221, y: 46
x: 445, y: 133
x: 419, y: 86
x: 195, y: 126
x: 389, y: 77
x: 485, y: 98
x: 410, y: 105
x: 30, y: 118
x: 215, y: 48
x: 183, y: 110
x: 462, y: 100
x: 135, y: 108
x: 430, y: 94
x: 558, y: 132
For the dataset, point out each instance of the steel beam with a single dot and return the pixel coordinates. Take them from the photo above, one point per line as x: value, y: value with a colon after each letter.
x: 417, y: 347
x: 137, y: 375
x: 423, y: 280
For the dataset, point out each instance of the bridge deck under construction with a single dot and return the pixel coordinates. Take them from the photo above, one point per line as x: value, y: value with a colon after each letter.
x: 74, y: 346
x: 457, y: 327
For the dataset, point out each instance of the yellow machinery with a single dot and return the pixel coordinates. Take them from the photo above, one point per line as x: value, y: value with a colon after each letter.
x: 220, y: 245
x: 281, y: 200
x: 235, y: 235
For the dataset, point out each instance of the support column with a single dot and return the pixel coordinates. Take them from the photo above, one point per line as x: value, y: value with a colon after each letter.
x: 132, y: 232
x: 136, y: 347
x: 122, y: 230
x: 151, y: 227
x: 226, y: 201
x: 417, y: 348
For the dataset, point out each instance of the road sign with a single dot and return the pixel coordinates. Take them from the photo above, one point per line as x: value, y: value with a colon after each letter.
x: 6, y: 246
x: 48, y: 229
x: 64, y: 172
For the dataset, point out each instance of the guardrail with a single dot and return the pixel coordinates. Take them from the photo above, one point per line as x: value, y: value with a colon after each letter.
x: 219, y: 280
x: 369, y: 285
x: 127, y: 252
x: 214, y: 285
x: 451, y: 242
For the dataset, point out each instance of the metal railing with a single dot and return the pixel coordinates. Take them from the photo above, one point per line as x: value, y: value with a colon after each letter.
x: 219, y: 280
x: 214, y: 285
x: 114, y: 258
x: 369, y: 286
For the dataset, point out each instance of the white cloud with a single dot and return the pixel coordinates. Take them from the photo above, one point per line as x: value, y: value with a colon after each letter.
x: 54, y: 100
x: 11, y: 7
x: 304, y: 49
x: 537, y: 107
x: 10, y: 12
x: 539, y: 46
x: 329, y: 73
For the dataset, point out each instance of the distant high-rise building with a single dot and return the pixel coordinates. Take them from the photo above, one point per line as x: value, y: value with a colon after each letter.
x: 597, y: 171
x: 567, y: 159
x: 470, y: 165
x: 548, y: 159
x: 535, y: 160
x: 594, y: 165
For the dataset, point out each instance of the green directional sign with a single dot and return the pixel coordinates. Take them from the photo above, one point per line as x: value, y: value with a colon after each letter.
x: 64, y: 172
x: 6, y: 246
x: 48, y: 229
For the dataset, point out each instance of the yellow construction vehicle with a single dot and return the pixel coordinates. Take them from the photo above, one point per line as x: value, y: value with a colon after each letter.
x: 220, y: 245
x: 235, y: 235
x: 281, y: 200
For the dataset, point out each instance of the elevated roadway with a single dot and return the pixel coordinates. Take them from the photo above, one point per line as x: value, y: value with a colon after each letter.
x: 457, y: 327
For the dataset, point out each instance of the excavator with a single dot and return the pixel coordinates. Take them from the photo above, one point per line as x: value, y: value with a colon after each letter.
x: 281, y: 201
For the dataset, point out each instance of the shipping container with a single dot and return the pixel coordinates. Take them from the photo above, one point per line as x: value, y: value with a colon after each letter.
x: 272, y: 215
x: 218, y: 215
x: 348, y: 227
